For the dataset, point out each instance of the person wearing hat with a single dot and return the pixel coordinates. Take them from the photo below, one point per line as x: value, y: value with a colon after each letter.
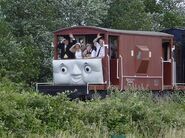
x: 64, y: 45
x: 76, y: 49
x: 99, y: 44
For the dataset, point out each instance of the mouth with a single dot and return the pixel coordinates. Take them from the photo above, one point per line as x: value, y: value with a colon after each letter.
x: 77, y: 79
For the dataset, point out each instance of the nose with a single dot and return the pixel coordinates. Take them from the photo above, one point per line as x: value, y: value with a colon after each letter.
x: 76, y: 70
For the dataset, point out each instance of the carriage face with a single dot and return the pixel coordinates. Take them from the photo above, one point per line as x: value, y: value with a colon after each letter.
x: 77, y: 71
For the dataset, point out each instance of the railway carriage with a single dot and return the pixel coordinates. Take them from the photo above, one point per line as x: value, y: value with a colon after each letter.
x: 179, y: 56
x: 140, y: 59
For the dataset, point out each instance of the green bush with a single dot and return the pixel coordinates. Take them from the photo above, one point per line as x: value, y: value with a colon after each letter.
x: 27, y: 113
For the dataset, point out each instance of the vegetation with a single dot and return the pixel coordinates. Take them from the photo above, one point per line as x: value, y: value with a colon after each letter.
x: 25, y: 58
x: 132, y: 113
x: 26, y: 27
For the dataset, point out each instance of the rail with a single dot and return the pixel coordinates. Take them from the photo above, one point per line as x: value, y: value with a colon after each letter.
x: 162, y: 61
x: 108, y: 60
x: 117, y: 73
x: 121, y: 71
x: 179, y: 83
x: 173, y: 71
x: 144, y: 77
x: 108, y: 69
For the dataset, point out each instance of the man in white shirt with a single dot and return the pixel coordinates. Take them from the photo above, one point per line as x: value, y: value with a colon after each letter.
x: 100, y: 49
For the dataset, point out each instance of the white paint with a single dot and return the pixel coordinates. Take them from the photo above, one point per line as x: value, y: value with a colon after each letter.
x: 150, y: 54
x: 132, y: 53
x: 77, y: 71
x: 121, y: 72
x: 117, y: 72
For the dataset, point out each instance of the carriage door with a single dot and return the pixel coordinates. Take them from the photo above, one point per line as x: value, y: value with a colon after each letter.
x: 114, y: 60
x: 167, y: 63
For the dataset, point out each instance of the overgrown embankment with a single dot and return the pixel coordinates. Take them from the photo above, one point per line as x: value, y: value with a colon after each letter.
x: 27, y: 113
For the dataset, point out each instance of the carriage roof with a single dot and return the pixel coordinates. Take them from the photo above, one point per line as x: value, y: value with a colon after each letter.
x: 114, y: 31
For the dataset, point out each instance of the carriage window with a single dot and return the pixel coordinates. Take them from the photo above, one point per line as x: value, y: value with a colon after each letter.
x: 142, y: 58
x: 68, y: 48
x: 80, y: 39
x: 166, y: 51
x: 113, y: 43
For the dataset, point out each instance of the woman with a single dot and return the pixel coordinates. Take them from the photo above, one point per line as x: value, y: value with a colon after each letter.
x: 90, y: 51
x: 76, y: 48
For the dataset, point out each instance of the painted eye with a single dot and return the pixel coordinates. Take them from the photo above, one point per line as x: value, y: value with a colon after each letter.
x: 63, y: 69
x: 87, y: 69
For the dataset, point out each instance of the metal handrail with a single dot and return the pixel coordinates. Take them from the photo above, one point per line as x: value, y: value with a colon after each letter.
x: 108, y: 69
x: 117, y: 73
x: 144, y: 77
x: 179, y: 83
x: 162, y: 73
x: 173, y: 72
x: 121, y: 71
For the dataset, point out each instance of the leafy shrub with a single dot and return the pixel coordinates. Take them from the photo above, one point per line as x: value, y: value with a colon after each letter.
x: 27, y: 113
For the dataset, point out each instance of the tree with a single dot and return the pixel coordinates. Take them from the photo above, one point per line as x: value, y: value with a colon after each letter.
x: 83, y: 12
x: 31, y: 24
x: 166, y: 13
x: 126, y: 14
x: 16, y: 63
x: 28, y: 24
x: 172, y: 14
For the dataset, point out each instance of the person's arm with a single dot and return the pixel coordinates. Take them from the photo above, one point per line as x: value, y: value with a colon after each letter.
x: 96, y: 39
x: 72, y: 39
x: 72, y: 49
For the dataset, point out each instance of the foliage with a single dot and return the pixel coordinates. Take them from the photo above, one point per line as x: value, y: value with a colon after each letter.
x: 83, y: 12
x: 16, y: 56
x: 166, y: 13
x: 145, y: 14
x: 27, y: 50
x: 26, y: 46
x: 26, y: 112
x: 128, y: 15
x: 25, y: 56
x: 173, y: 13
x: 26, y: 27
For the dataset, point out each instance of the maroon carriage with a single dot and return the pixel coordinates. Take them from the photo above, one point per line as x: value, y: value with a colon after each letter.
x: 140, y: 59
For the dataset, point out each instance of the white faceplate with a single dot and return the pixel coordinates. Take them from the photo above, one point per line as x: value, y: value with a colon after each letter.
x: 77, y: 71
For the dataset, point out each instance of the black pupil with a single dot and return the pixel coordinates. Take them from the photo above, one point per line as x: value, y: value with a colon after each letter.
x: 63, y: 70
x: 87, y: 69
